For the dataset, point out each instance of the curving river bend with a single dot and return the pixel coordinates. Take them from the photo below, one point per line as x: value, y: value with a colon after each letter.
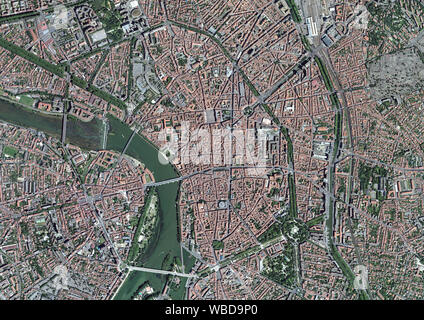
x: 89, y: 136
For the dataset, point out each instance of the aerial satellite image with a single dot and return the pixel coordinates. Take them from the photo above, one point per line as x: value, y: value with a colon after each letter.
x: 211, y: 150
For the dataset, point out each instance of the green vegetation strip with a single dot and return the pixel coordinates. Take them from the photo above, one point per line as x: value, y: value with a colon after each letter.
x: 294, y: 10
x: 337, y: 132
x: 59, y: 71
x: 16, y: 17
x: 135, y: 247
x: 324, y: 74
x: 315, y: 221
x: 31, y: 57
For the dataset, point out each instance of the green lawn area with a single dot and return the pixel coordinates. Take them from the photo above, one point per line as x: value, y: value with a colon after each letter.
x: 10, y: 151
x: 147, y: 176
x: 28, y: 101
x: 217, y: 245
x: 111, y: 19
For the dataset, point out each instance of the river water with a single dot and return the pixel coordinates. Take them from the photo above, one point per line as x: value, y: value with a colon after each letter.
x: 89, y: 136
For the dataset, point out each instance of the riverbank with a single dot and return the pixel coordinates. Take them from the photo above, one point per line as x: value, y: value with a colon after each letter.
x: 167, y: 241
x: 89, y: 136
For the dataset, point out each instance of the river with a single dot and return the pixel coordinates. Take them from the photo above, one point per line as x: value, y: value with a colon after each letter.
x: 89, y: 136
x: 166, y: 241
